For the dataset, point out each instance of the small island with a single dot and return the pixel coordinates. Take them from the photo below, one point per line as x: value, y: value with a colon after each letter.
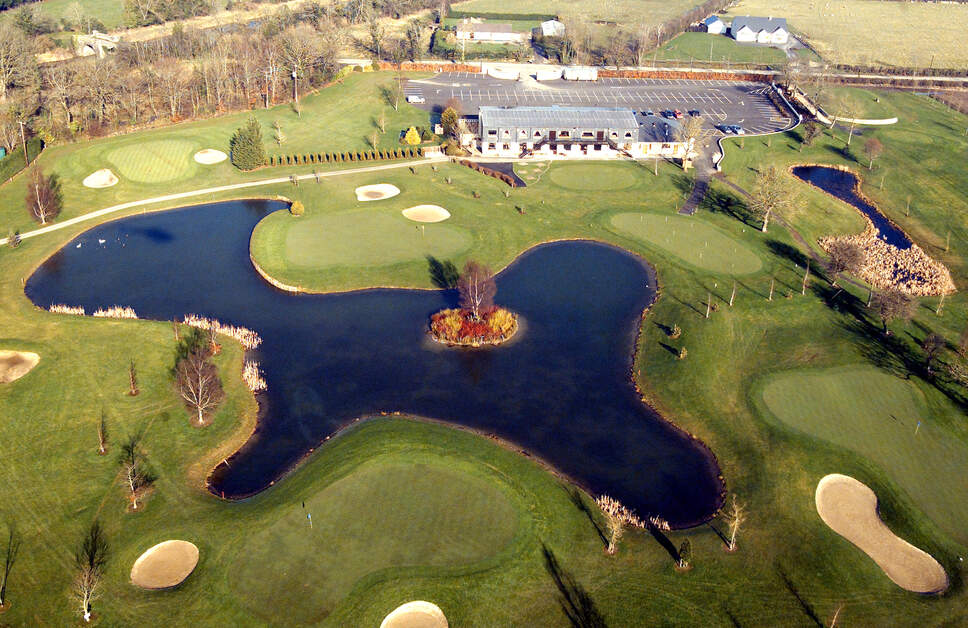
x: 477, y: 322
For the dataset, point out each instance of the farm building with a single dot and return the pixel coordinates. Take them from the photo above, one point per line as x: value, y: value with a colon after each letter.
x: 552, y: 28
x: 760, y: 30
x: 714, y: 25
x: 576, y: 132
x: 490, y: 32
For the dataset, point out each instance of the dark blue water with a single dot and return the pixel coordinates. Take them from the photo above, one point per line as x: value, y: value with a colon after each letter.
x: 560, y: 391
x: 843, y: 185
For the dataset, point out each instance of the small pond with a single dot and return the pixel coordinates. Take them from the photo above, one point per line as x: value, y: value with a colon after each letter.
x: 561, y: 391
x: 843, y: 185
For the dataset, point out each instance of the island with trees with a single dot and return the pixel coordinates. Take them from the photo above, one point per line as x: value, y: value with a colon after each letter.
x: 477, y: 321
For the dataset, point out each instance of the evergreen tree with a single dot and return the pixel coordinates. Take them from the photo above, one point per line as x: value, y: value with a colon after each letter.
x: 248, y: 151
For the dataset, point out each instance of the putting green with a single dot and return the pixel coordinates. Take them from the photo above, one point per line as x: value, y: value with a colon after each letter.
x: 362, y: 237
x: 875, y: 414
x: 154, y: 162
x: 592, y: 176
x: 387, y: 514
x: 691, y: 240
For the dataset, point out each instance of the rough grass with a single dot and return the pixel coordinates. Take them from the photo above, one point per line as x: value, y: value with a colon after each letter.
x: 906, y: 34
x: 709, y: 47
x: 876, y: 415
x: 850, y: 102
x: 626, y: 12
x: 695, y: 243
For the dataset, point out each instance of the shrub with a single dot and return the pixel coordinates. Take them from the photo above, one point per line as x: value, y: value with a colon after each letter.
x: 412, y: 137
x: 297, y: 209
x: 248, y: 151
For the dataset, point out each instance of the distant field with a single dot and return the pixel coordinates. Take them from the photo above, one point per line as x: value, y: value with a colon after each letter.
x: 626, y: 12
x: 904, y: 34
x: 109, y: 12
x: 707, y: 47
x: 518, y: 26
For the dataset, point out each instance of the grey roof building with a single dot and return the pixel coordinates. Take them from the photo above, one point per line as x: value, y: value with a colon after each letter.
x: 757, y: 24
x: 556, y: 123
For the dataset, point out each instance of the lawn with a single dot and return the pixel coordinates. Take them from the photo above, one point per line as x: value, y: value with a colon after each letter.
x: 876, y: 415
x: 340, y: 118
x: 720, y: 48
x: 109, y: 12
x: 848, y: 102
x: 483, y: 562
x: 862, y: 31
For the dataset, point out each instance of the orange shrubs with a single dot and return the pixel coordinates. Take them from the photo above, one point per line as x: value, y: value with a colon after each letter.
x: 459, y: 327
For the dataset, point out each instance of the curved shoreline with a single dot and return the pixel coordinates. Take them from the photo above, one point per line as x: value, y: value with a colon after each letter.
x: 704, y: 451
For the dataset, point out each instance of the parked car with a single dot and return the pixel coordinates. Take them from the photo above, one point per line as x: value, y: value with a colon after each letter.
x: 695, y: 113
x: 666, y: 113
x: 676, y: 114
x: 650, y: 113
x: 416, y: 99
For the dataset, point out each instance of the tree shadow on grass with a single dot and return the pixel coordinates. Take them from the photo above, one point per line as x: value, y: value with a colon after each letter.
x: 575, y: 601
x: 664, y: 542
x: 684, y: 183
x: 443, y: 274
x: 580, y: 504
x: 721, y: 536
x: 792, y: 588
x: 717, y: 201
x: 670, y: 349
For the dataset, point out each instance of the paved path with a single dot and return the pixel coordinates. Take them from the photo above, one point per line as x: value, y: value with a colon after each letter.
x: 222, y: 188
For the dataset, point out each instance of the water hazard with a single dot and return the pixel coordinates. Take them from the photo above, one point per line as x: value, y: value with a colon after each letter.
x: 843, y: 185
x: 560, y: 391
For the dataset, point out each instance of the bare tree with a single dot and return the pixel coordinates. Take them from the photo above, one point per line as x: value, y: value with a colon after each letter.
x: 811, y: 130
x: 16, y: 58
x: 892, y: 305
x: 102, y: 435
x: 691, y: 132
x: 381, y: 121
x: 198, y: 384
x: 136, y: 475
x: 617, y: 517
x: 301, y: 47
x: 477, y: 288
x: 845, y: 256
x: 932, y: 344
x: 735, y: 517
x: 90, y: 559
x: 685, y: 554
x: 9, y: 558
x: 43, y: 196
x: 132, y: 380
x: 771, y: 195
x: 873, y: 149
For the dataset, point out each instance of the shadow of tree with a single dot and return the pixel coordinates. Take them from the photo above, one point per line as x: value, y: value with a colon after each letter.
x: 683, y: 183
x: 575, y: 601
x: 792, y: 588
x: 670, y: 348
x: 664, y: 541
x: 717, y: 201
x: 580, y: 504
x: 443, y: 274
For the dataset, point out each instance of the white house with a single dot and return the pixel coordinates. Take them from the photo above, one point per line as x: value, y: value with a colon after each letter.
x: 760, y: 30
x: 552, y: 28
x: 714, y: 25
x: 494, y: 33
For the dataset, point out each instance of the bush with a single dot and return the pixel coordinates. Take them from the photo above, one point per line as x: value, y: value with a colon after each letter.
x: 297, y: 209
x: 14, y: 162
x: 412, y: 137
x: 248, y: 151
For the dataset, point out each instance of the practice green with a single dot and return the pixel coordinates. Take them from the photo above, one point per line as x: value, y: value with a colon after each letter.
x: 156, y: 161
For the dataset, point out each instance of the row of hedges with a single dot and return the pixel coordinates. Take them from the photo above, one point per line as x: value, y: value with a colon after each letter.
x: 664, y: 74
x: 518, y: 17
x: 14, y: 161
x: 489, y: 172
x: 335, y: 158
x: 411, y: 66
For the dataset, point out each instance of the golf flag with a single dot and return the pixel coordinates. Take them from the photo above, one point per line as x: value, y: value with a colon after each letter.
x: 917, y: 428
x: 310, y: 517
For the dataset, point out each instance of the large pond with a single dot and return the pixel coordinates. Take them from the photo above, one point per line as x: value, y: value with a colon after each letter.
x: 843, y: 185
x: 561, y: 391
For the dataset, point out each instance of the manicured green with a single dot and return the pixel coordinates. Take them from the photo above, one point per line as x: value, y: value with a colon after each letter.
x: 719, y: 48
x: 592, y: 177
x: 485, y: 567
x: 695, y: 243
x: 155, y: 162
x: 364, y: 237
x: 876, y: 414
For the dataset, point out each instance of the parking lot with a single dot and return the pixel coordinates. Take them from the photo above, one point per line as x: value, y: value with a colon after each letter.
x: 720, y: 102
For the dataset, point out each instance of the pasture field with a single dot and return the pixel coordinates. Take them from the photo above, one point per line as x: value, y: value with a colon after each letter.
x: 869, y: 32
x: 717, y: 48
x: 625, y: 12
x: 487, y: 566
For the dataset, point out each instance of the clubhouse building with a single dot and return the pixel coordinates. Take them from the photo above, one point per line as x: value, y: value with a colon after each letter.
x: 593, y: 132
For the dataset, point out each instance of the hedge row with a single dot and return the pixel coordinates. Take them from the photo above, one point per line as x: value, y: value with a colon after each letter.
x: 489, y: 172
x: 536, y: 17
x: 331, y: 158
x: 14, y: 161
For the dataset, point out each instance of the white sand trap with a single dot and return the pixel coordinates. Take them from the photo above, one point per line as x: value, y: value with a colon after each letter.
x: 100, y: 179
x: 426, y: 213
x: 376, y: 192
x: 849, y: 507
x: 416, y: 614
x: 165, y: 565
x: 210, y: 156
x: 16, y: 364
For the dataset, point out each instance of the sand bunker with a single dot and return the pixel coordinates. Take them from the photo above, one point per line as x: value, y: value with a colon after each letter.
x: 100, y: 179
x: 210, y: 156
x: 415, y: 615
x: 426, y: 213
x: 849, y: 507
x: 376, y: 192
x: 165, y: 565
x: 16, y: 364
